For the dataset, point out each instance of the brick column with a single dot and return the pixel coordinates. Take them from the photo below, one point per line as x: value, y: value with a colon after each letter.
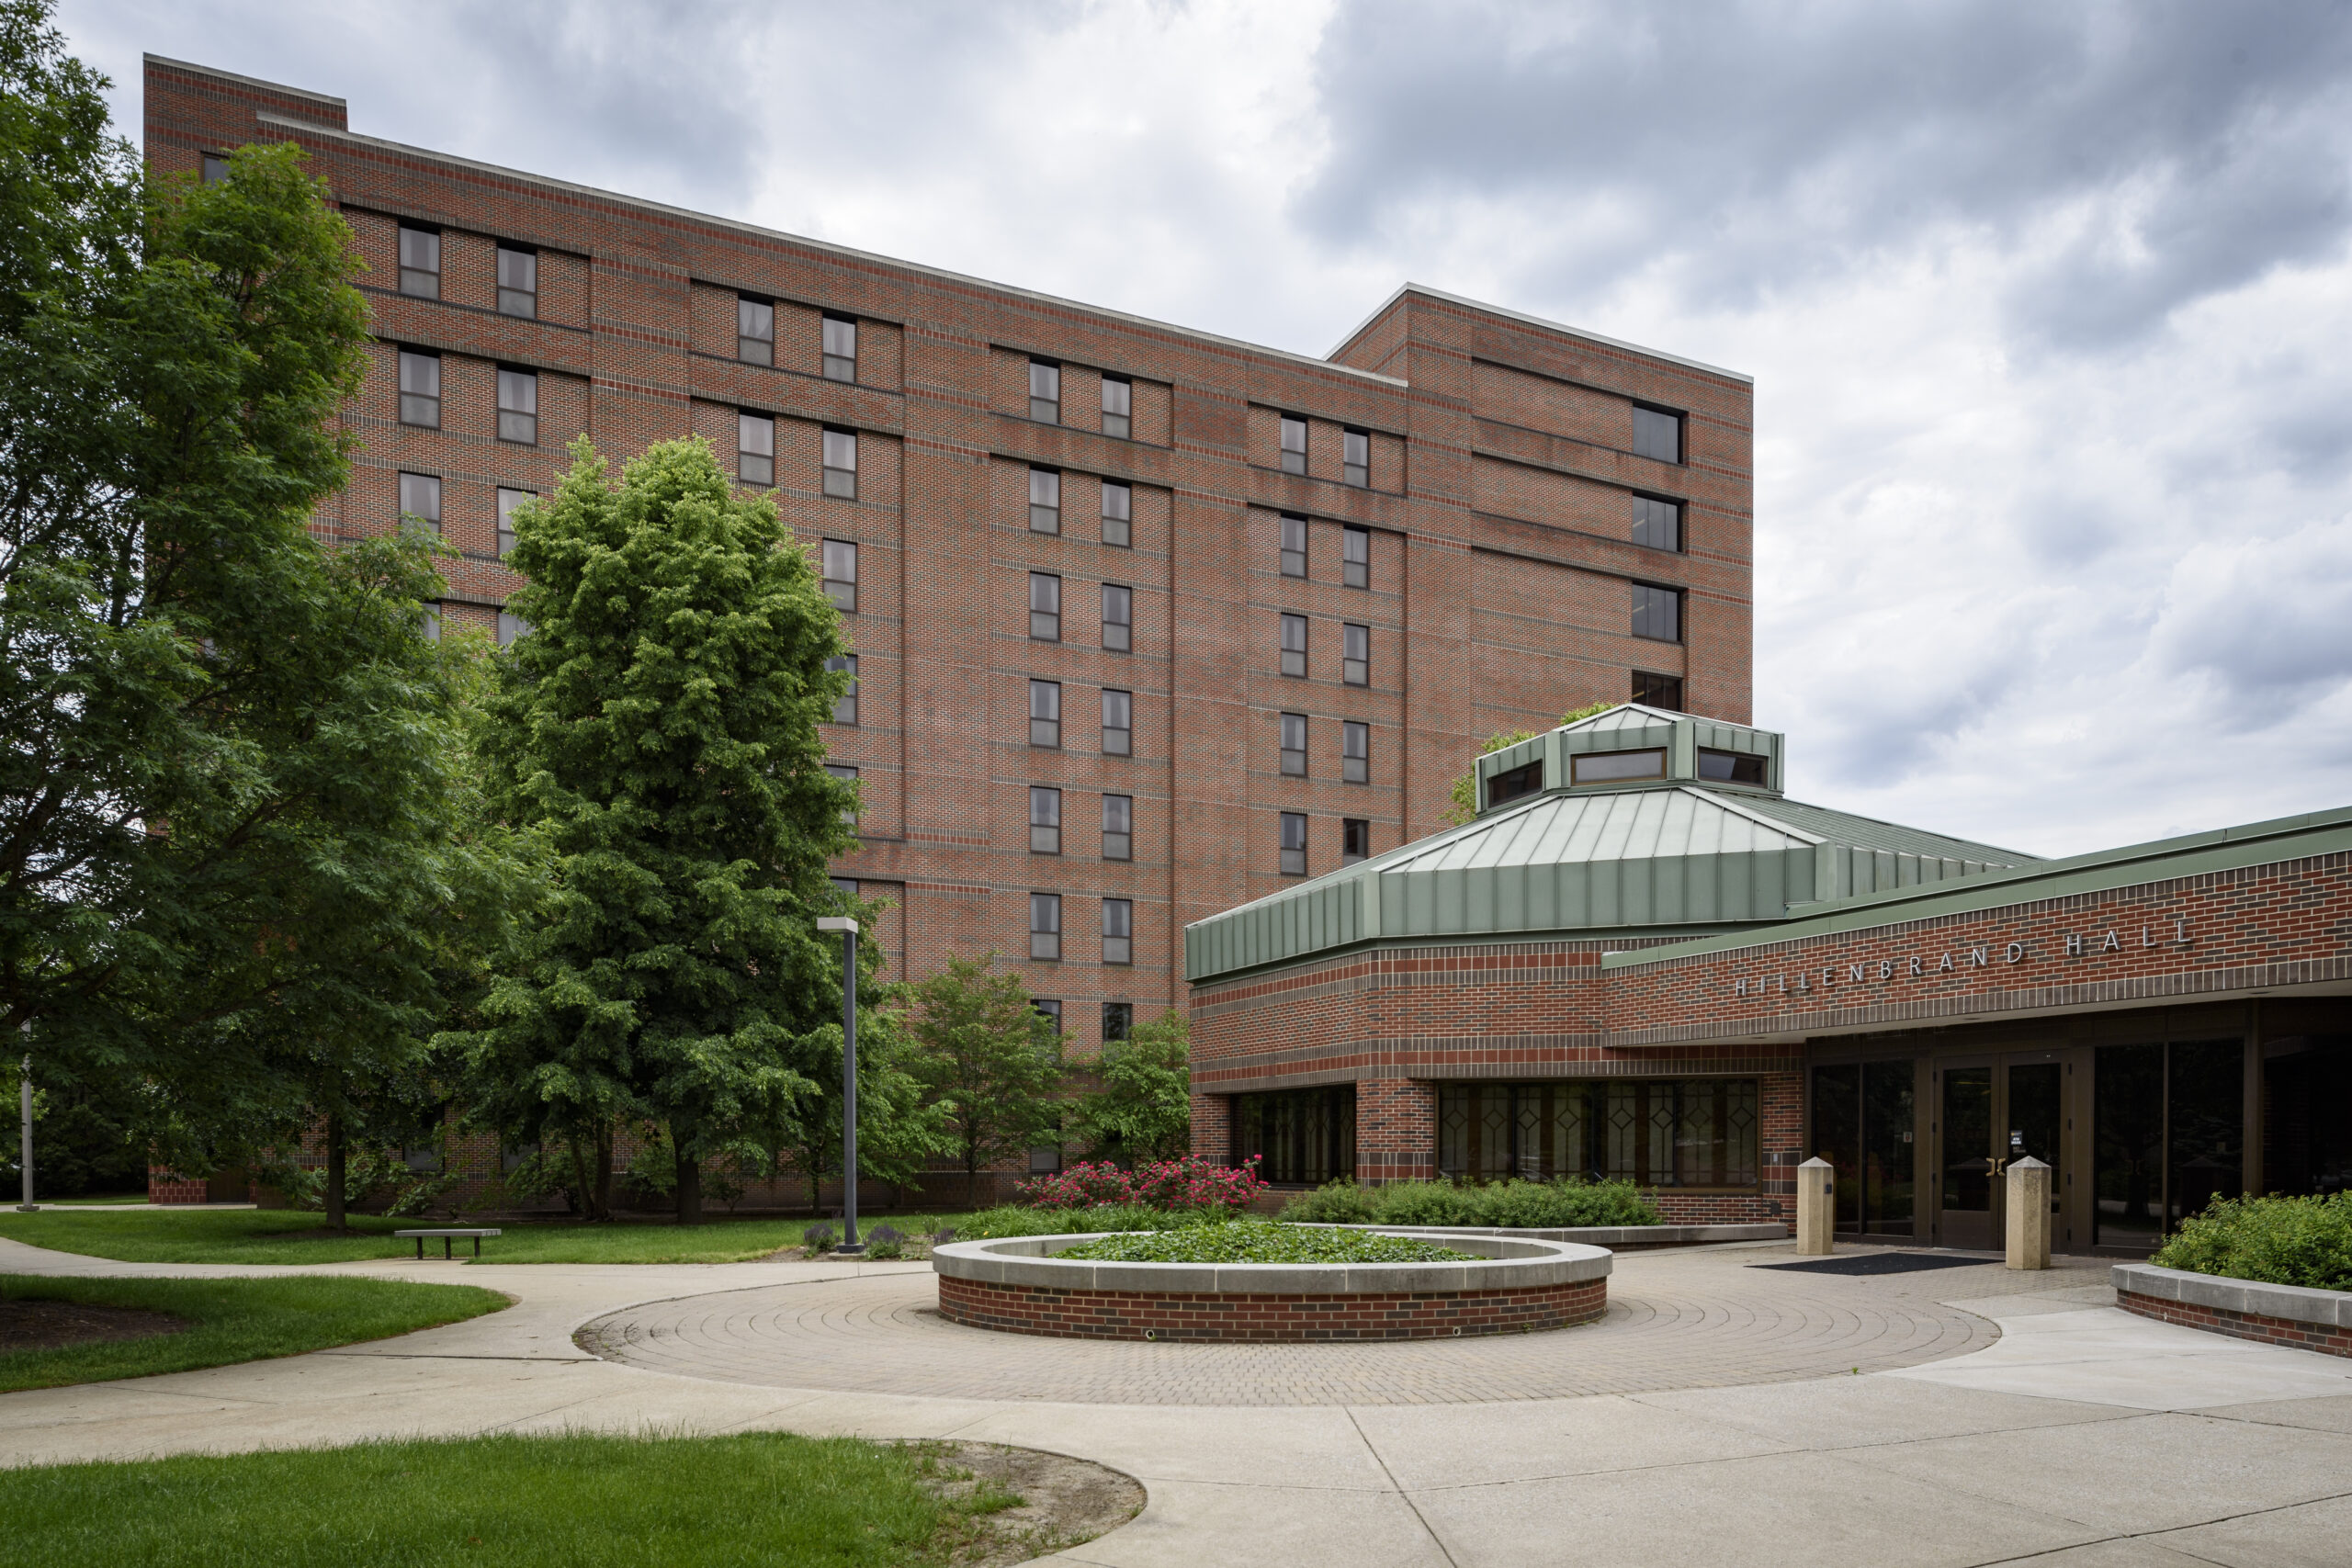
x: 1781, y: 1110
x: 1213, y: 1126
x: 1395, y: 1130
x: 163, y: 1186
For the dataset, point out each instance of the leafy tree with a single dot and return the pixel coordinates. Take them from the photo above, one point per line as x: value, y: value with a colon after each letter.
x: 657, y: 731
x: 1462, y: 797
x: 991, y: 1058
x: 1144, y: 1106
x: 900, y: 1128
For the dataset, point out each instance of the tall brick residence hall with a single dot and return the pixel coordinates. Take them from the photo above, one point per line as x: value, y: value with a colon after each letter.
x: 1642, y: 959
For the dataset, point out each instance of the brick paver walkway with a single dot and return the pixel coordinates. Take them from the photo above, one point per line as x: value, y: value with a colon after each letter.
x: 1701, y: 1318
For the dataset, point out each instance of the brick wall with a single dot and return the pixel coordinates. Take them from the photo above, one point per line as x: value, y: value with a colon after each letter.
x: 1137, y: 1315
x: 2329, y: 1339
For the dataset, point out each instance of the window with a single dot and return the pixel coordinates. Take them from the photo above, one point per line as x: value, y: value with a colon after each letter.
x: 1118, y: 1021
x: 839, y: 344
x: 1045, y: 391
x: 1118, y: 514
x: 1526, y: 779
x: 1045, y: 821
x: 508, y: 500
x: 432, y: 626
x: 1294, y: 645
x: 848, y: 775
x: 1051, y: 1011
x: 1044, y: 500
x: 421, y: 389
x: 518, y: 282
x: 1306, y: 1136
x: 1653, y: 1131
x: 518, y: 407
x: 1045, y: 932
x: 1355, y: 655
x: 1293, y: 446
x: 755, y: 448
x: 1658, y: 524
x: 841, y: 464
x: 1118, y: 406
x: 1044, y: 606
x: 1355, y: 557
x: 1045, y: 712
x: 1657, y: 613
x: 838, y: 570
x: 1653, y: 691
x: 844, y: 885
x: 1293, y: 844
x: 1355, y: 840
x: 1118, y: 930
x: 216, y: 168
x: 1731, y: 767
x: 421, y: 503
x: 421, y: 262
x: 1118, y: 827
x: 754, y: 331
x: 1118, y: 619
x: 1118, y: 724
x: 1355, y: 457
x: 1294, y: 745
x: 510, y: 627
x: 1355, y: 752
x: 1609, y: 767
x: 845, y: 706
x: 1658, y: 433
x: 1294, y: 555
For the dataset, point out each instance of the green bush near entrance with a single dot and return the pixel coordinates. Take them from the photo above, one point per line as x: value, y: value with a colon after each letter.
x: 1263, y: 1241
x: 1518, y: 1205
x: 2279, y: 1241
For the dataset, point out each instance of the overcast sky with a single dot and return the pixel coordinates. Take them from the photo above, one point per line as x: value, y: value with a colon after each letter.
x: 2047, y: 307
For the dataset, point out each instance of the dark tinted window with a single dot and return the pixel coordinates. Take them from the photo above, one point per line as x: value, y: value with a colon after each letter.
x: 1657, y: 613
x: 1731, y: 767
x: 1526, y: 779
x: 1658, y: 524
x: 1657, y: 434
x: 518, y: 282
x: 421, y: 263
x: 1608, y: 767
x: 1655, y: 691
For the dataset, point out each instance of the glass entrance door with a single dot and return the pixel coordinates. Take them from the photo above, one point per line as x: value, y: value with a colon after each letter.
x: 1964, y: 1144
x: 2033, y: 1123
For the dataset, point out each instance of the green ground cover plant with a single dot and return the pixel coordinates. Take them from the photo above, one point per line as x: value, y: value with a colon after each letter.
x: 573, y: 1500
x: 1263, y: 1241
x: 1019, y: 1219
x: 1521, y: 1205
x: 2281, y: 1241
x: 229, y: 1320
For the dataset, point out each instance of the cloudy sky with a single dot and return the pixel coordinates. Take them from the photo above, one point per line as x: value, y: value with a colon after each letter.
x: 2048, y: 306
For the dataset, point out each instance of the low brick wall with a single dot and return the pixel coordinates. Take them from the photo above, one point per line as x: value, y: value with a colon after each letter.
x: 1134, y: 1314
x: 2244, y: 1309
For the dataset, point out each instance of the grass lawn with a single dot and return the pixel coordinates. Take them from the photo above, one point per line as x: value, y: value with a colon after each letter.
x: 576, y: 1500
x: 231, y: 1320
x: 284, y: 1235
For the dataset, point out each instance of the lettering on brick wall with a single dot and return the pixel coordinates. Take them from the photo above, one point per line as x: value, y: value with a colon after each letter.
x: 1846, y: 972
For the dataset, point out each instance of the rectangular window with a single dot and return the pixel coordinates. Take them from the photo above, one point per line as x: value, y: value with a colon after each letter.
x: 1118, y: 827
x: 1118, y: 930
x: 1355, y: 457
x: 1293, y: 844
x: 1303, y: 1136
x: 1653, y: 691
x: 216, y: 168
x: 1658, y: 433
x: 1118, y: 514
x: 1355, y: 840
x: 1355, y: 557
x: 432, y: 626
x: 839, y: 344
x: 1118, y: 1021
x: 754, y: 448
x: 1045, y: 820
x: 1118, y: 619
x: 1731, y: 767
x: 841, y: 464
x: 421, y: 503
x: 1044, y: 500
x: 1657, y: 613
x: 421, y: 262
x: 1658, y: 524
x: 1612, y: 767
x: 518, y: 282
x: 1355, y: 655
x: 508, y: 500
x: 518, y: 407
x: 1051, y: 1011
x: 1118, y: 406
x: 1652, y: 1131
x: 845, y: 706
x: 1045, y: 391
x: 1046, y: 929
x: 1293, y: 748
x: 421, y: 389
x: 1294, y: 645
x: 1044, y: 606
x: 1294, y: 552
x: 843, y: 773
x: 1118, y: 723
x: 511, y: 627
x: 844, y: 885
x: 1293, y: 446
x: 1513, y: 782
x: 754, y: 331
x: 1355, y: 752
x: 838, y: 571
x: 1045, y: 712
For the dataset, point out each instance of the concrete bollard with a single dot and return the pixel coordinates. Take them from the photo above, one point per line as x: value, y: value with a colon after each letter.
x: 1816, y: 1206
x: 2029, y: 1215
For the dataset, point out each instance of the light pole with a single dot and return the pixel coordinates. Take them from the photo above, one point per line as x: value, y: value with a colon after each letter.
x: 850, y: 1247
x: 25, y: 1148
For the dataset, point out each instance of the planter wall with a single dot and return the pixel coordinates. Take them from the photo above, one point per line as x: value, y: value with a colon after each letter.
x: 2244, y: 1309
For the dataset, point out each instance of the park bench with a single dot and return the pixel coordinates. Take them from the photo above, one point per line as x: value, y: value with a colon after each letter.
x: 446, y: 1237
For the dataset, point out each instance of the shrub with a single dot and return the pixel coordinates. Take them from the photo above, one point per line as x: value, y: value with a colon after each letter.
x: 1191, y: 1182
x: 1551, y: 1205
x: 1018, y: 1219
x: 1521, y: 1205
x: 1428, y: 1203
x: 1263, y: 1241
x: 817, y: 1238
x: 884, y: 1243
x: 1340, y: 1202
x: 2279, y: 1241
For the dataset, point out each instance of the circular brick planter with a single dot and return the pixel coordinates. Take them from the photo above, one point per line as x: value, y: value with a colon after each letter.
x: 2244, y: 1309
x: 1516, y: 1286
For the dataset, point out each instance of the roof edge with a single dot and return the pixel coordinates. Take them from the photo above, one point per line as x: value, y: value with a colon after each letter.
x: 1525, y: 319
x: 219, y: 75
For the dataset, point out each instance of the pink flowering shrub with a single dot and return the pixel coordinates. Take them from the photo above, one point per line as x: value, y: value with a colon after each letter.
x: 1188, y: 1183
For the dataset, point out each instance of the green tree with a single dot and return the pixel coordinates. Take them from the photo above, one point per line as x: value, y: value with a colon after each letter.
x: 1143, y: 1106
x: 991, y: 1058
x: 900, y: 1127
x: 1461, y: 799
x: 658, y: 732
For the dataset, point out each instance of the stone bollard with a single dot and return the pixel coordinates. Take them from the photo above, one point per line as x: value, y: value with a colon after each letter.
x: 1816, y: 1206
x: 2029, y: 1216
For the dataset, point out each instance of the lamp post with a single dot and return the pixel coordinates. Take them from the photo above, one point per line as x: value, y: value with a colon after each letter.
x: 850, y: 1247
x: 25, y: 1146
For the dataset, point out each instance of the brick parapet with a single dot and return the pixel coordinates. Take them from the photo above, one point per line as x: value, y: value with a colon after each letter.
x: 2328, y: 1339
x: 1134, y: 1314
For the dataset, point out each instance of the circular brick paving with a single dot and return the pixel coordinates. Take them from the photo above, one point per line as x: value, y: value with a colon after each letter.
x: 1690, y: 1319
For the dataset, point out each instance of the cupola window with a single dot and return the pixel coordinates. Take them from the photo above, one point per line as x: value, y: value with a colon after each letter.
x: 1731, y: 767
x: 1612, y: 767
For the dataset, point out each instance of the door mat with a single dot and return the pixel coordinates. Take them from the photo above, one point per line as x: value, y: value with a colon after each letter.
x: 1879, y: 1263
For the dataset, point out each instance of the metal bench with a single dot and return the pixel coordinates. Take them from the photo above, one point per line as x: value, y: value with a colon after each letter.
x: 446, y: 1237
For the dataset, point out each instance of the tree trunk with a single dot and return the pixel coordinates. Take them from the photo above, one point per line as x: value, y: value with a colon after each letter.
x: 335, y: 1220
x: 600, y: 1199
x: 578, y: 1198
x: 689, y: 1191
x: 971, y: 1172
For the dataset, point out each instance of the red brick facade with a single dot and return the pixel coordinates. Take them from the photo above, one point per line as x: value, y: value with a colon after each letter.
x: 1130, y: 1314
x: 2327, y: 1339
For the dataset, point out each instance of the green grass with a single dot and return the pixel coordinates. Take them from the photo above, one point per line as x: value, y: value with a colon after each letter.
x: 573, y: 1500
x: 101, y: 1201
x: 1263, y: 1241
x: 232, y: 1320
